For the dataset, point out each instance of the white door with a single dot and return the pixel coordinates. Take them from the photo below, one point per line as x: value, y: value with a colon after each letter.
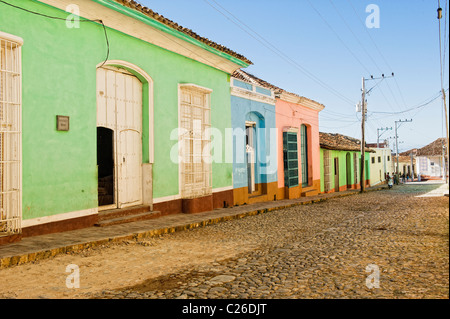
x: 119, y: 107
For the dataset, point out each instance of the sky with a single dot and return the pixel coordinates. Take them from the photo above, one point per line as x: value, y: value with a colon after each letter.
x: 322, y: 49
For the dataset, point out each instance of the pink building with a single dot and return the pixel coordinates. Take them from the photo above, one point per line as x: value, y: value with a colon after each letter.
x: 297, y: 121
x: 298, y: 148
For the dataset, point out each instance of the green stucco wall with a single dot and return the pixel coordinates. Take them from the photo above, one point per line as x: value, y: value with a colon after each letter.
x: 59, y: 78
x: 341, y: 155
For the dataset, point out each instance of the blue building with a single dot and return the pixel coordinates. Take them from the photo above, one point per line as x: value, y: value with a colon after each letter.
x: 254, y: 140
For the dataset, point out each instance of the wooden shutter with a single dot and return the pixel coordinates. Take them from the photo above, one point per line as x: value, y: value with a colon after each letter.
x: 290, y: 154
x: 304, y: 154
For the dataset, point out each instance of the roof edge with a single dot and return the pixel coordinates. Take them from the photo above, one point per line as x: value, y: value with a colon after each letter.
x: 143, y: 14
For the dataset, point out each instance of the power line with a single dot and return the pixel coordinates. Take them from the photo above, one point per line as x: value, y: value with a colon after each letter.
x: 339, y: 38
x: 413, y: 108
x: 240, y: 24
x: 378, y: 50
x: 106, y: 35
x: 366, y: 52
x: 65, y: 19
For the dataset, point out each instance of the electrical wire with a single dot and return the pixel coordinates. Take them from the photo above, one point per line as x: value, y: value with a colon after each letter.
x: 64, y: 19
x: 378, y: 50
x: 107, y: 40
x: 240, y: 24
x: 413, y: 108
x: 338, y: 37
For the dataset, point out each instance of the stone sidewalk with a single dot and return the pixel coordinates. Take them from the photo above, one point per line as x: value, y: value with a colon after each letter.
x: 35, y: 248
x: 438, y: 192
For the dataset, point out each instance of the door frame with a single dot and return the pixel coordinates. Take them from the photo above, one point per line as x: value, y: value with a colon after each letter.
x: 147, y: 101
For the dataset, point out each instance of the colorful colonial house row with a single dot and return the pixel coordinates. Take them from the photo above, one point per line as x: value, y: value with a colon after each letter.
x: 106, y: 109
x: 115, y: 113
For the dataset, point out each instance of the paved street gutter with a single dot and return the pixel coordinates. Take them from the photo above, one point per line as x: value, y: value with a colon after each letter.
x: 31, y: 249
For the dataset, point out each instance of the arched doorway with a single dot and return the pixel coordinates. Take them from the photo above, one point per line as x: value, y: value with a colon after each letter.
x: 119, y: 111
x: 122, y: 90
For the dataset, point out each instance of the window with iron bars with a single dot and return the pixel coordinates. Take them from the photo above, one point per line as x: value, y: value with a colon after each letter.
x: 10, y: 135
x: 195, y: 140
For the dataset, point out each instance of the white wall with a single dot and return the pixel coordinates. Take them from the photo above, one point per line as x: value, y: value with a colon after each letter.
x: 383, y: 164
x: 430, y: 166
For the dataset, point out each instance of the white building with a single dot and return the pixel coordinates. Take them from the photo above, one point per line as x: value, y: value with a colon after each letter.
x: 381, y: 164
x: 430, y: 160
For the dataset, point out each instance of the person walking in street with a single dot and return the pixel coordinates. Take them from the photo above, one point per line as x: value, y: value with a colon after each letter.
x: 390, y: 182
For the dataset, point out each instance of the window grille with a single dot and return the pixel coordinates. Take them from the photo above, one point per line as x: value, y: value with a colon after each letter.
x: 10, y: 136
x: 195, y: 152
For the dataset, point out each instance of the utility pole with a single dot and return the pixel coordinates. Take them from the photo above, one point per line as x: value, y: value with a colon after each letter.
x: 396, y: 138
x: 439, y: 16
x: 443, y: 162
x: 378, y: 134
x: 363, y: 120
x: 363, y: 142
x: 446, y: 126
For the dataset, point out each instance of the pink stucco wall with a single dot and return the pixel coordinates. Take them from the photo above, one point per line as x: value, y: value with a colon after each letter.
x: 294, y: 115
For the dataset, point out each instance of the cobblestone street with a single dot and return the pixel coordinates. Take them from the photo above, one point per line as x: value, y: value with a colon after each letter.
x: 309, y: 251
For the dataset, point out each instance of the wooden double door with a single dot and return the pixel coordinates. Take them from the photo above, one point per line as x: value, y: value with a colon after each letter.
x: 119, y: 138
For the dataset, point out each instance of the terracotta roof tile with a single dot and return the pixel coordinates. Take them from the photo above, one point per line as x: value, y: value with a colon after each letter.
x: 335, y: 141
x: 432, y: 149
x: 152, y: 14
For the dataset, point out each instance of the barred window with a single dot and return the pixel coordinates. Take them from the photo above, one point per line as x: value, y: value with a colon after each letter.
x: 195, y: 140
x: 10, y: 135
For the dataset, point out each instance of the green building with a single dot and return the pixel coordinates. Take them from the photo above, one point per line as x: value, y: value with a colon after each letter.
x: 105, y: 105
x: 340, y: 163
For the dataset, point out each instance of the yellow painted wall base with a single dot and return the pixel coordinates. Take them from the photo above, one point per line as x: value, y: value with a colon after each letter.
x: 266, y: 192
x: 299, y: 191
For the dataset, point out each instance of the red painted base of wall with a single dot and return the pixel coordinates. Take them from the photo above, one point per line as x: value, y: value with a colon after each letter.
x: 169, y: 207
x: 196, y: 205
x: 10, y: 239
x: 346, y: 188
x: 60, y: 226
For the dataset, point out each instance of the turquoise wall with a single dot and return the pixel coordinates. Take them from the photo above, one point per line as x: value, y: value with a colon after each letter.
x: 59, y: 78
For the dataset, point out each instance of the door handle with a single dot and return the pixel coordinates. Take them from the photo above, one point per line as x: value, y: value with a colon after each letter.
x: 124, y: 159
